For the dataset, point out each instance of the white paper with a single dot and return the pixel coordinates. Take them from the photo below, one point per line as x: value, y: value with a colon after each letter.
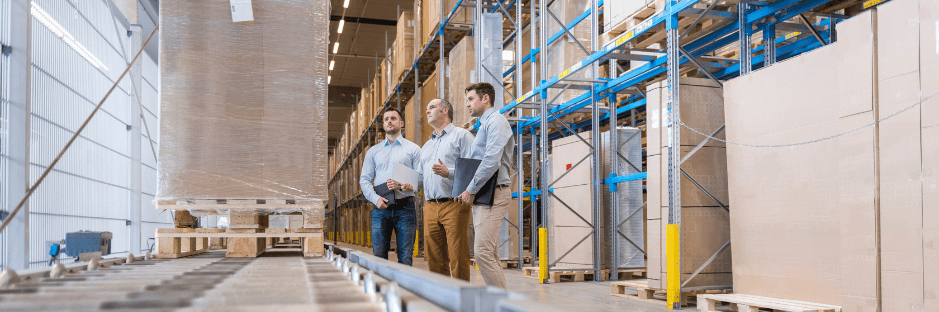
x: 241, y: 11
x: 404, y: 175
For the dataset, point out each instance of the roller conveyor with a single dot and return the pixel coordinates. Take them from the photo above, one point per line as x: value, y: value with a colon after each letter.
x: 284, y: 281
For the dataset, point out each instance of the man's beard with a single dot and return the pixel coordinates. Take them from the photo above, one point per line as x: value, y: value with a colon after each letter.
x: 393, y: 132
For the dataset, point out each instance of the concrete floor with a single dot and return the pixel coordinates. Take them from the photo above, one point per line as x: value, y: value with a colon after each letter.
x: 572, y: 296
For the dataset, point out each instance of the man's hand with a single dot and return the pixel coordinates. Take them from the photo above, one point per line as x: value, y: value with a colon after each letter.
x: 466, y: 198
x: 407, y: 187
x: 382, y: 203
x: 392, y: 185
x: 441, y: 169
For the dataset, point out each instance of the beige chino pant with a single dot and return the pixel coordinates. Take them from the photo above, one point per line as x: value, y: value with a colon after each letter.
x: 486, y: 223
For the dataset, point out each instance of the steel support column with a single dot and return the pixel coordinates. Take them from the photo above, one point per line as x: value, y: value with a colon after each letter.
x: 744, y: 33
x: 16, y: 68
x: 134, y: 207
x: 520, y: 134
x: 597, y: 159
x: 543, y: 136
x: 674, y: 142
x: 769, y: 45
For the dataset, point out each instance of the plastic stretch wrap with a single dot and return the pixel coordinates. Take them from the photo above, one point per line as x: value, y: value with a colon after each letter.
x: 243, y: 105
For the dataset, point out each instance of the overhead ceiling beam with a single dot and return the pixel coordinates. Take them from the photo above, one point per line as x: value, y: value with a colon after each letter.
x: 364, y: 20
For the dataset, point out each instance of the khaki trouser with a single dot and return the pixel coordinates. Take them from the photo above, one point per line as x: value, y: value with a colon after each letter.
x: 445, y: 240
x: 486, y: 222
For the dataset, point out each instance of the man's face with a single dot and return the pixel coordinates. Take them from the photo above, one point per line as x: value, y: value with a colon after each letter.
x: 475, y: 105
x: 392, y: 123
x: 435, y: 112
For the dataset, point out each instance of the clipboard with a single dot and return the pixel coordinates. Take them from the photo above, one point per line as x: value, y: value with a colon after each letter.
x: 383, y: 191
x: 404, y: 175
x: 465, y: 171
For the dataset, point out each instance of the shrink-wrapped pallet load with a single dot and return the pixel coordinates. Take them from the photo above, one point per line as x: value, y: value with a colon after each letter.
x: 243, y: 114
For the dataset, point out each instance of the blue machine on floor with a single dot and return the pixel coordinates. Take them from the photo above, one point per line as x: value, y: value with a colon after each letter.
x: 81, y: 242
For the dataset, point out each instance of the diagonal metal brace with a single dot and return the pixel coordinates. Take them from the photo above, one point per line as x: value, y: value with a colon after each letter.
x: 705, y: 264
x: 695, y: 182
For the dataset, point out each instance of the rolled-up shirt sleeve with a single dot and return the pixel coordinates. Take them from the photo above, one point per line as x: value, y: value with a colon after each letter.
x: 499, y: 134
x: 368, y: 174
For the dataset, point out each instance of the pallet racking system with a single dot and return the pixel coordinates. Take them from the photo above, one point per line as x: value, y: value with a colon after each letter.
x: 786, y: 28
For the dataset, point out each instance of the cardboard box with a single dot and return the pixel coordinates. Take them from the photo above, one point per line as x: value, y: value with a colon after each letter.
x: 404, y: 44
x: 803, y: 216
x: 568, y: 151
x: 431, y: 16
x: 702, y: 108
x: 461, y: 72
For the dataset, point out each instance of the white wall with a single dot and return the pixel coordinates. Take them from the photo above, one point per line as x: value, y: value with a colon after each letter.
x: 89, y: 189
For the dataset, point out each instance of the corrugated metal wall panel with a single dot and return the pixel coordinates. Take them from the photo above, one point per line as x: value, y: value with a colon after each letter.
x: 77, y: 53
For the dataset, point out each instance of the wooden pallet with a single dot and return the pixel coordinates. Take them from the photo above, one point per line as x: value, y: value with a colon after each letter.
x: 630, y: 274
x: 748, y: 303
x: 557, y: 275
x: 657, y: 296
x: 173, y: 247
x: 506, y: 264
x: 215, y: 204
x: 239, y: 243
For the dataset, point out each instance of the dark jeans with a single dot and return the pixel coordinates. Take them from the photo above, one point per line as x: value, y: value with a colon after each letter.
x: 402, y: 219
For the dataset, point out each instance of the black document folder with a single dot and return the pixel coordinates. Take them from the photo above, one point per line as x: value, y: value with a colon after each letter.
x: 383, y: 191
x: 465, y: 170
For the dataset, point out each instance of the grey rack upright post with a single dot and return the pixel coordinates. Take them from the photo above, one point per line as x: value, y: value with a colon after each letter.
x: 597, y: 159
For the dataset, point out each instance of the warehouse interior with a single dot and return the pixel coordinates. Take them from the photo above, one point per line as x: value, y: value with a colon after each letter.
x: 718, y: 155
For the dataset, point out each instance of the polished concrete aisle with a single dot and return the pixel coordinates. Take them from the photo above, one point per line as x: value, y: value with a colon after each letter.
x: 572, y: 296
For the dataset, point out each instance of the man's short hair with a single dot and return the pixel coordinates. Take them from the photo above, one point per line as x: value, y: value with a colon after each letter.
x: 391, y: 109
x: 483, y: 88
x: 445, y: 103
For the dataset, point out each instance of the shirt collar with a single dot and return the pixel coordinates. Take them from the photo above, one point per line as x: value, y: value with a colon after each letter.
x: 487, y: 113
x: 446, y: 130
x: 397, y: 142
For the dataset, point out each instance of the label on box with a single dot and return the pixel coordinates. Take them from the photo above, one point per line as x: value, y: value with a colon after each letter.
x: 653, y: 118
x: 241, y: 11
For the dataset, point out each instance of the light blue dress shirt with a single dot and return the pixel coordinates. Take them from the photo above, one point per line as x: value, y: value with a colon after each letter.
x: 452, y: 143
x: 379, y: 165
x: 494, y: 146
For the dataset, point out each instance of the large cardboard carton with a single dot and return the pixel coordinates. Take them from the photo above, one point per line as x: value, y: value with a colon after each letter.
x: 803, y: 216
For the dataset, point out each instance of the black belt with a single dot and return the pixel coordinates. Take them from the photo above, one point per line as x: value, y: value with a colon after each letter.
x: 440, y: 200
x: 401, y: 201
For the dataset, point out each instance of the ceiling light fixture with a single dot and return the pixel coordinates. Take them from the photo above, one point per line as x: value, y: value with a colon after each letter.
x: 345, y: 4
x: 332, y: 64
x: 341, y: 23
x: 336, y: 47
x: 328, y: 79
x: 63, y: 34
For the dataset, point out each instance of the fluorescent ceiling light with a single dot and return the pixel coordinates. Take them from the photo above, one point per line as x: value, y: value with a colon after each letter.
x: 63, y: 34
x: 336, y: 47
x: 328, y: 79
x: 345, y: 4
x: 332, y: 64
x: 341, y: 23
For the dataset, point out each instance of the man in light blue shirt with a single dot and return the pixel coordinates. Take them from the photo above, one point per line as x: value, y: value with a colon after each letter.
x: 494, y: 146
x: 377, y: 168
x: 446, y: 222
